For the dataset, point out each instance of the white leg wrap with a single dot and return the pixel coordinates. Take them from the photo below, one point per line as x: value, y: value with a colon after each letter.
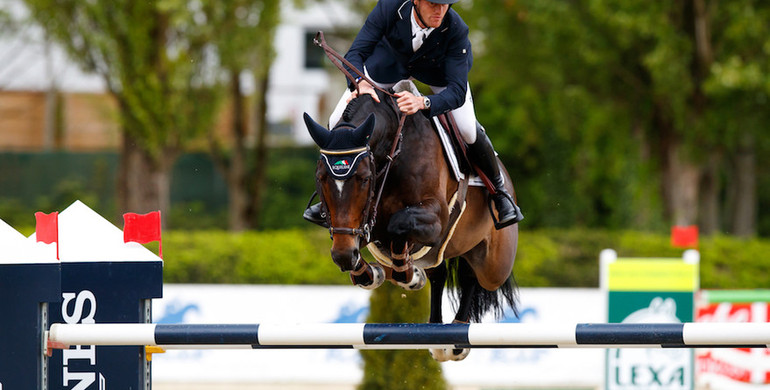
x: 445, y: 355
x: 419, y: 279
x: 378, y: 277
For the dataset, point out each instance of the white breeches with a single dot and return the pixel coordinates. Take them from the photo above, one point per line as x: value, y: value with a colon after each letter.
x: 465, y: 115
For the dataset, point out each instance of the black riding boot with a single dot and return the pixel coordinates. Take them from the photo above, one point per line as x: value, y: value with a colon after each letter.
x: 315, y: 215
x: 482, y: 154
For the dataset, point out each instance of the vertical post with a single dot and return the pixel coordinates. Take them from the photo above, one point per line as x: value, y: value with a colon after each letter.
x: 27, y: 290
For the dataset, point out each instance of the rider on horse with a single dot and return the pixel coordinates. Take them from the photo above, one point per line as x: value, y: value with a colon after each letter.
x: 427, y: 41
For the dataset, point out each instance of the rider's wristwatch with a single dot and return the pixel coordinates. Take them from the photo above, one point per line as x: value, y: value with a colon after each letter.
x: 426, y: 101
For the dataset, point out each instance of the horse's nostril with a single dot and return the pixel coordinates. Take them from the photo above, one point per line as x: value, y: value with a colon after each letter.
x: 346, y: 259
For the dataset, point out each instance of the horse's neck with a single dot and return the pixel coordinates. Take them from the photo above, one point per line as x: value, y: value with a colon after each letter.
x: 382, y: 144
x: 413, y: 139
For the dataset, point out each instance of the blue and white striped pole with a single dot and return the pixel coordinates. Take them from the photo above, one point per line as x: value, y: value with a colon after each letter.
x: 415, y: 336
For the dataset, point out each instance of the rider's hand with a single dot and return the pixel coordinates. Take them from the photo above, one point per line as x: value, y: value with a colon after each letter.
x: 364, y: 87
x: 408, y: 103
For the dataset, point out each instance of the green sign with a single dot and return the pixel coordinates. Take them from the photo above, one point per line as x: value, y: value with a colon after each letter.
x: 649, y: 290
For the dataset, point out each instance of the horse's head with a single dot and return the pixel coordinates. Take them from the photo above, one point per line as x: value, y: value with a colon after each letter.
x: 345, y: 180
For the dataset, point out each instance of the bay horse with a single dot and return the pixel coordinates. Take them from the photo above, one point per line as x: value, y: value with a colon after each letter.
x: 391, y: 189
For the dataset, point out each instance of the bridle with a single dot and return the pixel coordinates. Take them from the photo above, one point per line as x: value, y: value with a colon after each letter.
x: 369, y: 217
x: 373, y: 201
x: 368, y: 213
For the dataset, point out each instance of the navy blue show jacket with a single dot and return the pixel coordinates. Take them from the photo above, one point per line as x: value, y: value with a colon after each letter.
x: 384, y: 45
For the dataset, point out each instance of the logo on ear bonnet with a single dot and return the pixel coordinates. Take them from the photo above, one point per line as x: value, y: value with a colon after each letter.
x: 343, y: 164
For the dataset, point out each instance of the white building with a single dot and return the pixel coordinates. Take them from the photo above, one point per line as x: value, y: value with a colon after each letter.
x: 298, y: 83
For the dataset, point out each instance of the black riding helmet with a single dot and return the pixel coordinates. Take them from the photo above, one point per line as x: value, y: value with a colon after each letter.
x: 450, y: 2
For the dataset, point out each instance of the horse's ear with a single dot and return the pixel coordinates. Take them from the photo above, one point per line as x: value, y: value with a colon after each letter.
x: 363, y: 132
x: 320, y: 134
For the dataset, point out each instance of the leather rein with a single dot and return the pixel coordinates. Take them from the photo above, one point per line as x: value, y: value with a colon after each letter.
x: 373, y: 201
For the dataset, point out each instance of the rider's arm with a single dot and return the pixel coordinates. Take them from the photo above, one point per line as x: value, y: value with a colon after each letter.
x: 456, y: 67
x: 370, y: 34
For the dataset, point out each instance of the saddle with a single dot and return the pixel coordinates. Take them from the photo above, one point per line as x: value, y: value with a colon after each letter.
x: 455, y: 148
x: 455, y: 153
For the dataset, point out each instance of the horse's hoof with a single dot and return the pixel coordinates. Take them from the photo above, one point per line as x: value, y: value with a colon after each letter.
x: 440, y: 355
x: 419, y: 279
x: 378, y: 277
x: 446, y: 354
x: 460, y: 353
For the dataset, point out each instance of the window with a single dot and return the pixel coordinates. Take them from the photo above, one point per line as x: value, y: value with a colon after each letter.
x: 314, y: 55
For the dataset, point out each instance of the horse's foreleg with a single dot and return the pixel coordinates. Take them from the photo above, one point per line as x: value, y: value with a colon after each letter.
x: 405, y: 274
x: 368, y: 275
x: 420, y: 223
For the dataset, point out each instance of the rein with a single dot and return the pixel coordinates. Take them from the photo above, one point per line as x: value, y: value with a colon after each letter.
x: 364, y: 230
x: 338, y: 60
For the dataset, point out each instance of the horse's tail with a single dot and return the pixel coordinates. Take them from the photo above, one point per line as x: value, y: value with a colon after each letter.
x: 461, y: 280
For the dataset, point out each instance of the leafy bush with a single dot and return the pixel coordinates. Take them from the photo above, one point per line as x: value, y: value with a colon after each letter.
x: 276, y: 257
x: 546, y: 258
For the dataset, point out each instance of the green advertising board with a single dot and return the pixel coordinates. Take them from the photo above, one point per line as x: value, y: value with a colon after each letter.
x: 649, y: 290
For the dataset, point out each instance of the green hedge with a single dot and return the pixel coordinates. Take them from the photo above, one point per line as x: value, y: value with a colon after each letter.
x: 277, y: 257
x: 546, y: 258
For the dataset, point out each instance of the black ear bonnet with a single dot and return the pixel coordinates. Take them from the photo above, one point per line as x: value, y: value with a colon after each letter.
x: 342, y: 148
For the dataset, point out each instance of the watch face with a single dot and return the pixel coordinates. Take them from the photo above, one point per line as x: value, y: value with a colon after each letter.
x: 427, y: 103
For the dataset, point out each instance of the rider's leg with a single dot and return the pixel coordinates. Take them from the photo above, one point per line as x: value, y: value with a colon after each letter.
x: 336, y: 115
x: 482, y: 155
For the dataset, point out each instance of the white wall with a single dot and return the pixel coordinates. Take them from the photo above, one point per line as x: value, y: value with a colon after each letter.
x: 484, y: 368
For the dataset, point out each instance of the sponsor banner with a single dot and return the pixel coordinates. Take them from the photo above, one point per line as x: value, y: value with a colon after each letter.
x: 733, y: 368
x: 346, y: 304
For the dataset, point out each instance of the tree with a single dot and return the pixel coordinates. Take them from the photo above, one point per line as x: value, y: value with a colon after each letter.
x: 409, y: 369
x: 608, y: 99
x: 155, y: 61
x: 738, y: 85
x: 6, y: 22
x: 244, y: 41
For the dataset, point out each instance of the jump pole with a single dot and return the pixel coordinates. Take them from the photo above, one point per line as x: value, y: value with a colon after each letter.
x: 415, y: 336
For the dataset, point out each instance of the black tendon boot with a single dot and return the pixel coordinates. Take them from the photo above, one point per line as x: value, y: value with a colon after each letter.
x: 482, y: 155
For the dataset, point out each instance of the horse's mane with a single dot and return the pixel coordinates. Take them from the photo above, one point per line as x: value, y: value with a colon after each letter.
x: 352, y: 107
x: 355, y: 105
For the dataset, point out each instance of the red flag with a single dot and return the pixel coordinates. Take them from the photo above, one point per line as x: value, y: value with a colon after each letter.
x: 47, y: 229
x: 143, y: 228
x: 684, y: 236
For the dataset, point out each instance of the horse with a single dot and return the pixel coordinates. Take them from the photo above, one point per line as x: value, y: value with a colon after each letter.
x: 390, y: 188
